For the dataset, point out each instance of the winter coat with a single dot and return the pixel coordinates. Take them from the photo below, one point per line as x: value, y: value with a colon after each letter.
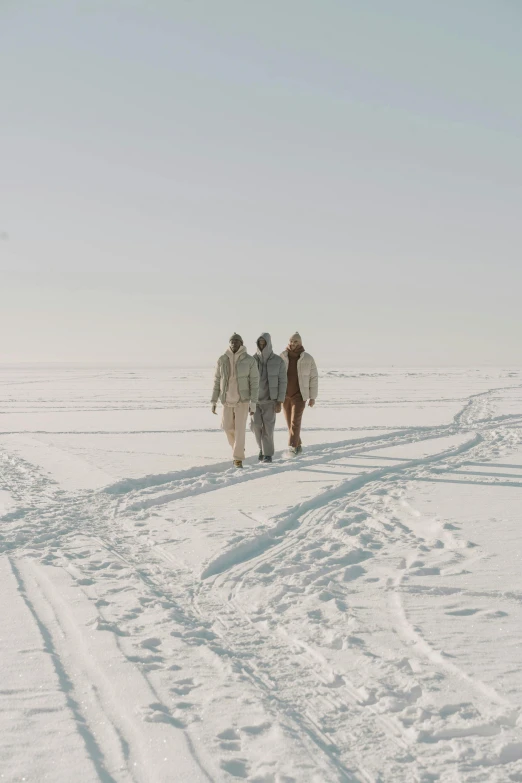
x: 247, y: 379
x: 307, y: 375
x: 272, y: 373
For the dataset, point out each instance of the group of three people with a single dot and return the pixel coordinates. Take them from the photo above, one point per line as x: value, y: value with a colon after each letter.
x: 262, y: 385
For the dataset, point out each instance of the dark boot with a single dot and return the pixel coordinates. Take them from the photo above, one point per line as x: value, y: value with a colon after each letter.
x: 261, y: 456
x: 267, y: 459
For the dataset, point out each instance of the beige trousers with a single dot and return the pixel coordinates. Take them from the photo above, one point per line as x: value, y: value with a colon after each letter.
x: 234, y: 423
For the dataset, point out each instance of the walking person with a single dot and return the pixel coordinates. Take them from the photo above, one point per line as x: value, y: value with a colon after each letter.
x: 236, y: 385
x: 303, y: 386
x: 272, y: 391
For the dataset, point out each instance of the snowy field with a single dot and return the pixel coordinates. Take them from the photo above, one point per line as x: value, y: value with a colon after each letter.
x: 353, y: 615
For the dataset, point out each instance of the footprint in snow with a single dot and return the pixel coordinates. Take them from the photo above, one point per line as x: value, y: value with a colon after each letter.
x: 229, y: 739
x: 229, y: 734
x: 150, y: 661
x: 465, y: 710
x: 356, y: 641
x: 425, y: 572
x: 259, y: 728
x: 353, y: 572
x: 264, y: 568
x: 103, y: 625
x: 356, y: 556
x: 238, y: 768
x: 118, y: 567
x: 151, y: 643
x: 510, y: 753
x: 355, y: 519
x: 230, y: 745
x: 159, y: 713
x: 462, y: 612
x: 132, y: 614
x: 200, y: 635
x: 183, y: 687
x: 325, y: 595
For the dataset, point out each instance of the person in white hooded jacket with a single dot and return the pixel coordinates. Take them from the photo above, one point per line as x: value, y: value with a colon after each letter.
x: 272, y: 392
x: 236, y: 385
x: 303, y: 385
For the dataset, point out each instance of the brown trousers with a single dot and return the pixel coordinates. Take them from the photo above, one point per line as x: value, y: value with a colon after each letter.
x: 293, y: 408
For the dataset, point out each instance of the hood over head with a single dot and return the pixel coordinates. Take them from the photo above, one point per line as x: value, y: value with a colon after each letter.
x: 267, y: 350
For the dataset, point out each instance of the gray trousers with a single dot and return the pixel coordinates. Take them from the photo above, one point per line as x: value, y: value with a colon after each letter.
x: 263, y: 426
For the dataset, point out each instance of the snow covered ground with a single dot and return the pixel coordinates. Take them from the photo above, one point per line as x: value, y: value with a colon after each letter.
x: 354, y: 615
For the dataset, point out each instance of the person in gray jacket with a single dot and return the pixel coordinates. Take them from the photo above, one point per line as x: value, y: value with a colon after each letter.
x: 236, y: 384
x: 272, y: 392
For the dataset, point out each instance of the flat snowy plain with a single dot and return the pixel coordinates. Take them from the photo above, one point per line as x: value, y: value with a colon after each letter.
x: 353, y: 615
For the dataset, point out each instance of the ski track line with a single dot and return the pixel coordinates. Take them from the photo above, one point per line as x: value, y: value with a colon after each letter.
x: 87, y: 734
x: 104, y: 706
x: 413, y: 639
x: 324, y: 453
x: 231, y: 477
x: 257, y: 545
x: 129, y: 749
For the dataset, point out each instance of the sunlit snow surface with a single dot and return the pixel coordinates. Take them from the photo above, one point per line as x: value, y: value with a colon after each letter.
x: 351, y: 615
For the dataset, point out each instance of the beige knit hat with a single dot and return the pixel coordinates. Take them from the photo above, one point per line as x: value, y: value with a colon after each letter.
x: 295, y: 336
x: 236, y: 336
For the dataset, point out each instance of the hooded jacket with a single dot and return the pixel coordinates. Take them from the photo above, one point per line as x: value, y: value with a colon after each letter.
x: 307, y: 375
x: 272, y: 373
x: 246, y: 378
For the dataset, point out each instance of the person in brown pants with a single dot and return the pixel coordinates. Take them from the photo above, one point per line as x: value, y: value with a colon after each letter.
x: 303, y: 383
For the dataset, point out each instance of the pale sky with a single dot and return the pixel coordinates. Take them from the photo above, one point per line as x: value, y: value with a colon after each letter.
x: 175, y: 170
